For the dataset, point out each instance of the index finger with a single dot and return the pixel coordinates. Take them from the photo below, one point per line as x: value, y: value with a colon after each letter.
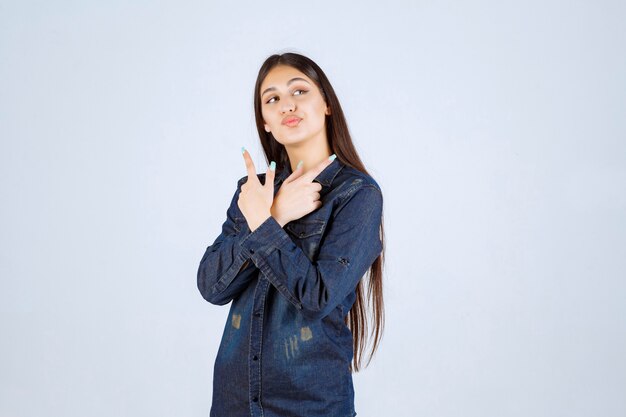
x: 314, y: 172
x: 249, y: 164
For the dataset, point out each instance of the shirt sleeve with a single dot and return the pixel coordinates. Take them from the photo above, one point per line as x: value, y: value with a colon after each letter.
x: 225, y: 269
x: 348, y: 248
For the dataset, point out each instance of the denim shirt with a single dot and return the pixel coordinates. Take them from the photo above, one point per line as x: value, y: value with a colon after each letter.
x: 285, y: 349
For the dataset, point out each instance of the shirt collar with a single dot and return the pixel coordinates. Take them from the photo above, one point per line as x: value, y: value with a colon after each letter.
x: 325, y: 178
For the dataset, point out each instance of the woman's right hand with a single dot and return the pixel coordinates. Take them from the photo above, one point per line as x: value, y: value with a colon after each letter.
x: 298, y: 195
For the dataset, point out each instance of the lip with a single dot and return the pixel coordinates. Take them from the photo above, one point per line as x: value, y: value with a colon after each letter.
x: 291, y: 121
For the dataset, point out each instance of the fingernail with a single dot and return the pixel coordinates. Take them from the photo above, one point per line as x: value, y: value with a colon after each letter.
x: 243, y: 149
x: 273, y: 166
x: 332, y: 157
x: 299, y: 164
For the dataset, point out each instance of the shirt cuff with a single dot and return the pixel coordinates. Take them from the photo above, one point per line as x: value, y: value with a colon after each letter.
x: 264, y: 239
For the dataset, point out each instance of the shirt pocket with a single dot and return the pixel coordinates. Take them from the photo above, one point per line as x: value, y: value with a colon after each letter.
x: 307, y: 234
x: 302, y: 229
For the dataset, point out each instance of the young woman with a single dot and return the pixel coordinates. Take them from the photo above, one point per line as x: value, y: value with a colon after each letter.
x: 295, y: 244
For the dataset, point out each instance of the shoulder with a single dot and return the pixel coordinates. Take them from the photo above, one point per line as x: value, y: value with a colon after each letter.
x: 356, y: 193
x: 353, y: 180
x: 348, y: 178
x: 356, y: 196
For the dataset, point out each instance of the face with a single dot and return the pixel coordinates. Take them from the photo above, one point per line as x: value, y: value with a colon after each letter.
x: 292, y: 106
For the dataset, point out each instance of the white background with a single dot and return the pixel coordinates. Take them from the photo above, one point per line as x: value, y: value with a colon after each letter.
x: 496, y: 131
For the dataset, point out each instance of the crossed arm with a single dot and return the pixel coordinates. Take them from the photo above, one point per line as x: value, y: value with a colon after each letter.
x: 350, y: 245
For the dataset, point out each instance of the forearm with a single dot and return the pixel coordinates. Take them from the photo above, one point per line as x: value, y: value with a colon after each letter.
x: 224, y: 270
x: 313, y: 287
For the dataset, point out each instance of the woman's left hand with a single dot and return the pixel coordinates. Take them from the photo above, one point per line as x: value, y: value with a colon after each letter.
x: 255, y: 199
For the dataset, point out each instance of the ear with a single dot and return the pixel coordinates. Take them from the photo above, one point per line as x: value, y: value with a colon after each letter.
x: 327, y: 111
x: 267, y: 129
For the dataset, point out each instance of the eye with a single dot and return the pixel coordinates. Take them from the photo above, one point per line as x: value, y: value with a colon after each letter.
x: 273, y: 97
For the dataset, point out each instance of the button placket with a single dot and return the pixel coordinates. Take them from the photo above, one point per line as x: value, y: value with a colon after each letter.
x: 256, y: 332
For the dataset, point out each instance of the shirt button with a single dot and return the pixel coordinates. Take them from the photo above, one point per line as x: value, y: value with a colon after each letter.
x: 251, y: 250
x: 257, y: 314
x: 255, y: 357
x: 255, y: 399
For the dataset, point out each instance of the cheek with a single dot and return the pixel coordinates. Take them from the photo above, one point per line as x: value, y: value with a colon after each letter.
x: 316, y: 109
x: 267, y: 117
x: 321, y: 108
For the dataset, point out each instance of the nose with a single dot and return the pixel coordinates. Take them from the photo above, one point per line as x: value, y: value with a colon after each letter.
x: 288, y: 106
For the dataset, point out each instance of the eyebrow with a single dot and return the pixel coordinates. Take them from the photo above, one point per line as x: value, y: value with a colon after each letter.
x: 288, y: 83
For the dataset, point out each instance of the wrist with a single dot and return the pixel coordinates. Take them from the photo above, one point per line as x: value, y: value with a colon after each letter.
x: 258, y: 221
x: 277, y: 217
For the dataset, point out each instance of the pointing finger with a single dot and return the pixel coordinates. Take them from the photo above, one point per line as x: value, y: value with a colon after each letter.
x: 313, y: 173
x: 295, y: 174
x: 249, y: 165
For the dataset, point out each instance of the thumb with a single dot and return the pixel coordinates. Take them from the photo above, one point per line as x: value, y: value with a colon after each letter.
x: 270, y: 175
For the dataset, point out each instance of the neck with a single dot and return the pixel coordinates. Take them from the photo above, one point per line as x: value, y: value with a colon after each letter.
x: 311, y: 152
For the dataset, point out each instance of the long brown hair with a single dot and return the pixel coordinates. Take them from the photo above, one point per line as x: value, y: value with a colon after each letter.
x: 341, y: 145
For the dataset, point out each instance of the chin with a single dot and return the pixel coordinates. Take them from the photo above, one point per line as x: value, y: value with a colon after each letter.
x: 295, y: 137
